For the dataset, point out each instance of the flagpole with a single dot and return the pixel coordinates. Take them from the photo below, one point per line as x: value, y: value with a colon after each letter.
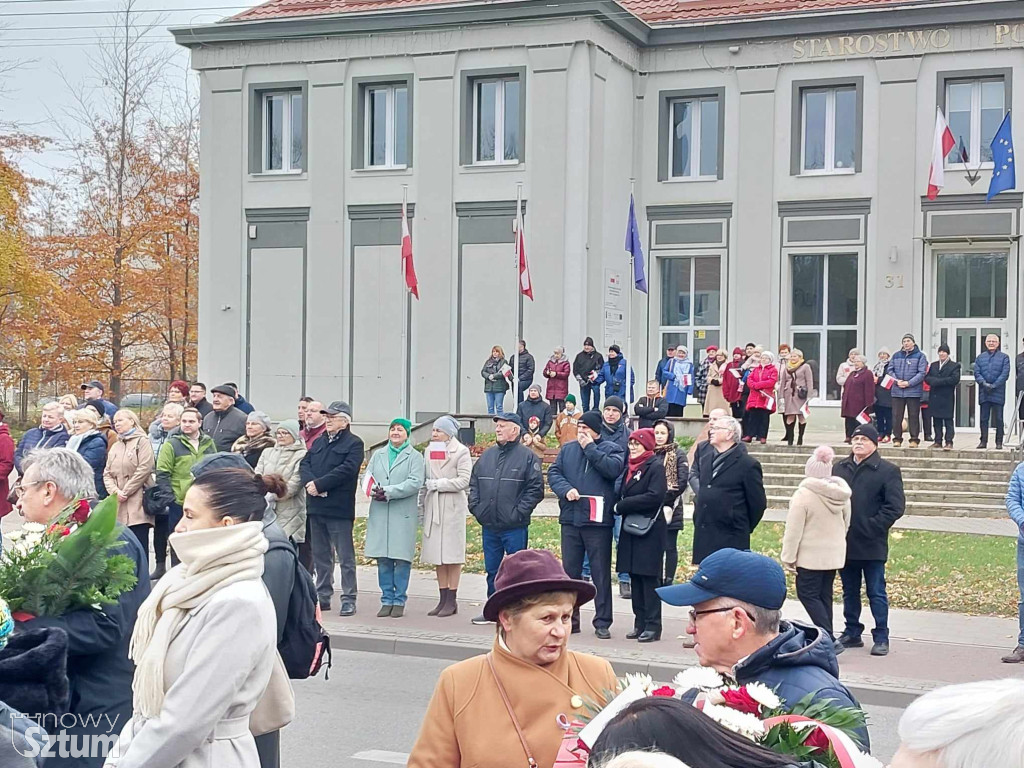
x: 519, y: 288
x: 403, y: 399
x: 631, y: 282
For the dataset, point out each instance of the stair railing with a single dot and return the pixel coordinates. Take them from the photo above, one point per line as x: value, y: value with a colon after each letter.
x: 1015, y: 435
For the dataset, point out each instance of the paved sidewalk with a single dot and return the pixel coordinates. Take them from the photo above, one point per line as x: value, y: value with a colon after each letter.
x: 928, y: 649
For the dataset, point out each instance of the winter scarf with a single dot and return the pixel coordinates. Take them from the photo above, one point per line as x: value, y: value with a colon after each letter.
x: 393, y: 452
x: 794, y: 362
x: 646, y: 438
x: 76, y: 440
x: 211, y: 559
x: 613, y: 363
x: 246, y: 444
x: 668, y: 451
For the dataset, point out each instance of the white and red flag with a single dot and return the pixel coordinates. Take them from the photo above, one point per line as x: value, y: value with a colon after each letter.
x: 525, y: 285
x: 863, y: 417
x: 368, y: 483
x: 942, y: 145
x: 596, y: 508
x: 805, y: 410
x: 887, y: 381
x: 407, y: 266
x: 437, y: 451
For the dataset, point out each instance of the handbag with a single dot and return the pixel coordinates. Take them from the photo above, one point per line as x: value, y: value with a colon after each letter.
x: 511, y: 713
x: 276, y: 708
x: 801, y: 392
x: 637, y: 525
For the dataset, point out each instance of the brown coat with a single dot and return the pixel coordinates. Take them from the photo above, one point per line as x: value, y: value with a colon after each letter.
x: 130, y: 465
x: 566, y: 426
x: 715, y: 398
x: 468, y: 726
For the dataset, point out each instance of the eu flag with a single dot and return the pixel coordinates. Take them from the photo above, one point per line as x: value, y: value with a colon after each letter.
x: 635, y: 249
x: 1003, y: 175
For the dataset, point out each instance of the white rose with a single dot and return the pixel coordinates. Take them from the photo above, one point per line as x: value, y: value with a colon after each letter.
x: 700, y: 678
x: 34, y: 528
x: 763, y: 695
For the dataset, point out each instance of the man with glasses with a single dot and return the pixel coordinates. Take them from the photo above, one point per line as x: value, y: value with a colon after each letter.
x: 736, y: 622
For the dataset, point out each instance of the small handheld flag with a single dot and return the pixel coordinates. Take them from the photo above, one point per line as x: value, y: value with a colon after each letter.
x: 805, y: 410
x: 887, y: 381
x: 1004, y: 176
x: 863, y: 417
x: 769, y: 403
x: 437, y: 451
x: 368, y: 483
x: 596, y: 505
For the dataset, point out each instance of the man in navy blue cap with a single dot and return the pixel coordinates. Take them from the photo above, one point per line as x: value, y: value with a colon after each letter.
x: 505, y: 487
x: 736, y: 599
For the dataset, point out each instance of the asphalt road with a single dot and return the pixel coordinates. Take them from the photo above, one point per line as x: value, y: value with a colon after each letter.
x: 368, y: 714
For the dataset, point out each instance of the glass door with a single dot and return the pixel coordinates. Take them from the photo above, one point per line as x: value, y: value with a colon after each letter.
x: 966, y: 342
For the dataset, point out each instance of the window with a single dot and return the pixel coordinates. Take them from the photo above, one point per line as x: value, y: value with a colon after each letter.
x: 693, y: 146
x: 691, y: 301
x: 974, y: 110
x: 277, y: 128
x: 386, y: 128
x: 970, y: 285
x: 496, y: 120
x: 829, y: 127
x: 824, y: 313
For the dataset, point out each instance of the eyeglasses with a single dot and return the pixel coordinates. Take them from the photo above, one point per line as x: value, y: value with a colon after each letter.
x: 694, y: 614
x: 19, y: 488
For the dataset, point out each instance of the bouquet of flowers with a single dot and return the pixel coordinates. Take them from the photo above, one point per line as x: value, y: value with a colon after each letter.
x: 66, y: 566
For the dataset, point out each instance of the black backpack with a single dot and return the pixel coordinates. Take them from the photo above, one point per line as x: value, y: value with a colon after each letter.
x: 304, y: 644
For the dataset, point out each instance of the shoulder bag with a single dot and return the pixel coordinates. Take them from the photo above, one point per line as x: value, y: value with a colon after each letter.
x: 511, y: 713
x: 637, y: 525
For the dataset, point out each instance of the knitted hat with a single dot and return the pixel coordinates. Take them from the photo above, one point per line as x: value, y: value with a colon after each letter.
x: 533, y: 387
x: 588, y: 342
x: 291, y: 426
x: 820, y: 463
x: 261, y: 418
x: 593, y: 420
x: 404, y: 423
x: 616, y: 349
x: 868, y: 431
x: 909, y: 336
x: 570, y: 399
x: 448, y: 425
x: 645, y: 437
x: 615, y: 402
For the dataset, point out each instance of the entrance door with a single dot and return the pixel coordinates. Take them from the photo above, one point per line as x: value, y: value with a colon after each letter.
x: 966, y: 342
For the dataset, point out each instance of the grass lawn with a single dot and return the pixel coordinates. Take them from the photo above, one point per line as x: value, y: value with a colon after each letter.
x: 927, y: 571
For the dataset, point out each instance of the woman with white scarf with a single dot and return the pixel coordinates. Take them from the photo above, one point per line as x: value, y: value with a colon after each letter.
x: 198, y: 679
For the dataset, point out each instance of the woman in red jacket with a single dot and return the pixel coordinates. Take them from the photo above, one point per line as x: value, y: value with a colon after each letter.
x: 761, y: 402
x: 557, y: 371
x: 858, y: 393
x: 732, y: 385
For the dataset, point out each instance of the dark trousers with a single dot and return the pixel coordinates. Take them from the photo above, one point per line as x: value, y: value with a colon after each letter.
x: 332, y: 538
x: 557, y: 406
x: 141, y: 532
x: 590, y: 397
x: 306, y: 550
x: 944, y: 427
x: 911, y: 406
x: 675, y: 410
x: 162, y: 529
x: 671, y: 555
x: 926, y: 424
x: 883, y: 420
x: 851, y: 424
x: 646, y: 603
x: 737, y: 409
x: 524, y: 387
x: 993, y: 411
x: 874, y: 582
x: 814, y: 590
x: 497, y: 544
x: 594, y: 541
x: 758, y: 421
x: 268, y: 747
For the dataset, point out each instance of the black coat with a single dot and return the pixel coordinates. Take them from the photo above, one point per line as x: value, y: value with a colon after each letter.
x: 730, y: 504
x: 944, y: 382
x: 334, y: 467
x: 585, y: 364
x: 506, y: 485
x: 527, y: 368
x: 650, y: 409
x: 539, y: 408
x: 877, y: 503
x: 673, y: 496
x: 643, y: 492
x: 593, y: 471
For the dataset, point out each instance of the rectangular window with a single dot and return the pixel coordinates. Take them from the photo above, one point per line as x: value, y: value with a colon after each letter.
x: 693, y: 131
x: 496, y: 120
x: 824, y: 313
x: 691, y: 307
x: 386, y: 128
x: 970, y: 285
x: 284, y: 132
x: 974, y: 110
x: 829, y: 130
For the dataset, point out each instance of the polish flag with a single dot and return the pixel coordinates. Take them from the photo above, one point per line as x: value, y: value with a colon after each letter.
x: 863, y: 417
x: 596, y: 508
x: 525, y: 286
x: 437, y: 451
x: 769, y: 403
x: 736, y: 372
x: 887, y: 381
x: 805, y: 410
x: 368, y: 483
x: 941, y: 146
x: 407, y: 265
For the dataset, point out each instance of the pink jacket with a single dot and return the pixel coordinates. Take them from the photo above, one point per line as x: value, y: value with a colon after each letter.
x: 761, y: 383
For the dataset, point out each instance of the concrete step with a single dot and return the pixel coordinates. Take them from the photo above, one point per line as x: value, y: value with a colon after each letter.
x: 923, y: 509
x: 887, y: 450
x: 950, y: 464
x: 966, y: 484
x: 924, y: 472
x: 932, y: 496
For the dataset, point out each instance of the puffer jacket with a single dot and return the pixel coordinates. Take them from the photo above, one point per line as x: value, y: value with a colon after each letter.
x: 290, y: 510
x: 761, y: 383
x: 93, y: 449
x: 910, y: 367
x: 493, y: 368
x: 506, y: 486
x: 174, y: 463
x: 816, y: 526
x: 593, y: 471
x: 992, y: 371
x: 557, y: 373
x: 37, y: 437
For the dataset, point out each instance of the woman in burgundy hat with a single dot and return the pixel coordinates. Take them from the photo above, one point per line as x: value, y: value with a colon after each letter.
x: 503, y: 709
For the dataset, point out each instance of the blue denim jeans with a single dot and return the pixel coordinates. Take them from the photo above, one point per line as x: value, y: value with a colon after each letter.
x: 623, y: 577
x: 874, y: 584
x: 497, y: 544
x: 393, y: 577
x: 495, y: 402
x: 588, y: 395
x: 1020, y: 587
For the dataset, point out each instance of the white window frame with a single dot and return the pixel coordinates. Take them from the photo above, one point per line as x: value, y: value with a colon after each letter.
x: 695, y: 144
x: 691, y: 329
x: 391, y: 128
x: 830, y: 132
x: 288, y: 165
x: 499, y: 120
x: 974, y: 150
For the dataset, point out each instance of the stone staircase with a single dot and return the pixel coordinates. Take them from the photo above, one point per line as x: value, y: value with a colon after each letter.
x: 957, y: 483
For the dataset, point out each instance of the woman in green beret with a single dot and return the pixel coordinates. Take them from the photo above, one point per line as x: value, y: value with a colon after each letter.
x: 397, y: 475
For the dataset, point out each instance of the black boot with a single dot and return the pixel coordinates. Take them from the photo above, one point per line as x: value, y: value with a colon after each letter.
x: 451, y: 606
x: 440, y: 603
x: 790, y: 428
x: 800, y: 438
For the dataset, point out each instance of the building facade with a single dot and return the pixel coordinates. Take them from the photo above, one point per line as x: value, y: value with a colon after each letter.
x: 778, y: 152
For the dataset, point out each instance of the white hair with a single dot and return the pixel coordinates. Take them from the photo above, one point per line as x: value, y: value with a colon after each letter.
x: 734, y: 427
x: 972, y: 725
x: 767, y: 358
x: 65, y: 468
x: 638, y: 759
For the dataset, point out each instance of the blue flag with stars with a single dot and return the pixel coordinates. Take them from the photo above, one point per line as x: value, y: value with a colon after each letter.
x: 635, y: 249
x: 1003, y: 175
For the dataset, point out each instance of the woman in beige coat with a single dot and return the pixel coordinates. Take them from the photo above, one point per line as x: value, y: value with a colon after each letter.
x: 814, y: 544
x: 444, y: 500
x: 716, y: 371
x: 129, y: 471
x: 283, y: 459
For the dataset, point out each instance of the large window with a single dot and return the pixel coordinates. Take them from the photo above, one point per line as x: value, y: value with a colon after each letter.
x: 824, y: 313
x: 974, y: 110
x: 284, y: 132
x: 970, y: 285
x: 829, y: 130
x: 694, y: 132
x: 691, y: 301
x: 496, y: 120
x: 386, y: 128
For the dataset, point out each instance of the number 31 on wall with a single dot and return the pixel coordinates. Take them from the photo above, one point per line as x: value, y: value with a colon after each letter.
x: 894, y: 281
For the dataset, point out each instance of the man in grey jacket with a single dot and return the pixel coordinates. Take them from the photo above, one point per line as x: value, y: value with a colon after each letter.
x: 225, y: 423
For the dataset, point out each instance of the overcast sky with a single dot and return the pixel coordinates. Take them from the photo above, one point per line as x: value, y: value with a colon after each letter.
x: 45, y: 35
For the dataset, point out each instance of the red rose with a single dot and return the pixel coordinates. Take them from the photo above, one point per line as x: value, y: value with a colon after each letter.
x: 817, y: 739
x: 742, y: 701
x: 665, y: 690
x: 81, y: 513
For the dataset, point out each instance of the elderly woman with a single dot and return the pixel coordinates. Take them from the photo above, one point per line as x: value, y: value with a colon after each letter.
x: 761, y: 404
x: 501, y: 710
x: 795, y: 387
x: 730, y: 497
x: 256, y: 440
x: 971, y: 725
x: 715, y: 397
x: 679, y: 378
x: 283, y: 458
x: 883, y: 397
x: 858, y: 394
x: 444, y: 500
x: 165, y: 425
x: 395, y: 475
x: 89, y: 443
x: 495, y: 383
x: 129, y: 470
x: 177, y: 392
x: 557, y: 371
